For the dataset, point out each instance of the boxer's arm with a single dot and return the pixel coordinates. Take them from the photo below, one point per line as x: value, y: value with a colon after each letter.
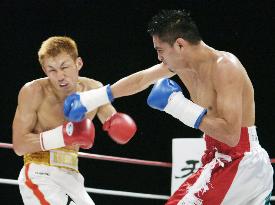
x: 139, y: 81
x: 226, y: 126
x: 78, y: 104
x: 24, y: 140
x: 105, y: 111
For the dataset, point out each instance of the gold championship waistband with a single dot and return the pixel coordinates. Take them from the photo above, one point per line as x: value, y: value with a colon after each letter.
x: 62, y: 158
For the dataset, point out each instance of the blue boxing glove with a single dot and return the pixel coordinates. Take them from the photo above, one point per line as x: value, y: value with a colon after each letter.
x: 167, y: 96
x: 158, y: 98
x: 73, y: 109
x: 77, y: 105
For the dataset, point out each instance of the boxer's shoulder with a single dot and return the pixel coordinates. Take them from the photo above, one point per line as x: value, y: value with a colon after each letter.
x: 88, y: 83
x: 227, y: 68
x: 226, y: 61
x: 33, y: 90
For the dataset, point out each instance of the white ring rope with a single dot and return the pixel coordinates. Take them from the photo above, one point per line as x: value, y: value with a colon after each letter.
x: 111, y: 192
x: 115, y: 159
x: 104, y: 191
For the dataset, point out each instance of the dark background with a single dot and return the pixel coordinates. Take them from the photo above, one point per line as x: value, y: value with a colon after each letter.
x: 113, y: 43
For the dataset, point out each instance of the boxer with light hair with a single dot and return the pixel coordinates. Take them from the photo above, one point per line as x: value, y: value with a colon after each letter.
x: 47, y: 140
x: 235, y: 168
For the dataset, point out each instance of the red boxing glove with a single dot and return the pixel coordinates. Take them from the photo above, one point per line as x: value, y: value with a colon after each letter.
x: 79, y: 133
x: 70, y: 133
x: 120, y: 127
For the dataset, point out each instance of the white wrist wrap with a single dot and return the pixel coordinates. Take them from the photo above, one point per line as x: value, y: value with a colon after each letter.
x: 94, y: 98
x: 52, y: 139
x: 184, y: 110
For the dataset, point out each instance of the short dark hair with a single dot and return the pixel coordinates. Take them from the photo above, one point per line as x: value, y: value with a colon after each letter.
x: 169, y: 25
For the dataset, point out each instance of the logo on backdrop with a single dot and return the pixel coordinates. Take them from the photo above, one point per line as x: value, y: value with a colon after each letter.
x: 190, y: 168
x: 186, y: 155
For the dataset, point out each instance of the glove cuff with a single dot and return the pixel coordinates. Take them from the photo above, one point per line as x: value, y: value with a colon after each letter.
x: 185, y: 110
x: 52, y: 139
x: 93, y: 99
x: 109, y: 93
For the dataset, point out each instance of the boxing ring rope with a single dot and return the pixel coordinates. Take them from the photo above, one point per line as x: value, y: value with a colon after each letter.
x: 104, y: 191
x: 114, y: 159
x: 111, y: 158
x: 107, y: 158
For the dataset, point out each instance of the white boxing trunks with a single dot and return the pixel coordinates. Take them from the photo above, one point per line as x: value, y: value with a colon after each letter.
x: 52, y: 178
x: 240, y: 175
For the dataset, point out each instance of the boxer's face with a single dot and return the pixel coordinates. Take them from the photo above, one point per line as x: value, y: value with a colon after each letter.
x: 170, y: 55
x: 62, y: 71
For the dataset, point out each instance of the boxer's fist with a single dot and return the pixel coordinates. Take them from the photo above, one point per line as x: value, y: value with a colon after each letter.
x: 120, y: 127
x: 160, y: 93
x: 70, y: 133
x: 77, y: 104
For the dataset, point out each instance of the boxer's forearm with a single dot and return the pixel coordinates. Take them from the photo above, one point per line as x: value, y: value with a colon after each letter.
x: 27, y: 143
x: 221, y: 130
x: 130, y: 85
x: 139, y: 81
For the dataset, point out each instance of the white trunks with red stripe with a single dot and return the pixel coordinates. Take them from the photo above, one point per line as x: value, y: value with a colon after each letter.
x: 52, y: 178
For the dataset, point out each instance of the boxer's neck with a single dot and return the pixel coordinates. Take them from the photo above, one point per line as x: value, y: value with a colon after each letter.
x: 200, y: 57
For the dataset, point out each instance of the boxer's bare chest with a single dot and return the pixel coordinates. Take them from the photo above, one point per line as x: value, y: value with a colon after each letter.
x: 50, y: 114
x: 201, y: 92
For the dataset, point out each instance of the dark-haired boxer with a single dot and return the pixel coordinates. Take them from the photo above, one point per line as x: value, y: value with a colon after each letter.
x: 236, y: 169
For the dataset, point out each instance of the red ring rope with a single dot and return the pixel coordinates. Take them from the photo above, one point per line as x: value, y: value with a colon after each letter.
x: 117, y: 159
x: 111, y: 158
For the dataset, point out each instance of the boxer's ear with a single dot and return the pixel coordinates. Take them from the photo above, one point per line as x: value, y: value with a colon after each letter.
x: 43, y: 68
x: 181, y: 43
x: 79, y: 63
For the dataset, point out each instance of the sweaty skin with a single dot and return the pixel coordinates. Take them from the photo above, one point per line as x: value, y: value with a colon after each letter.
x: 227, y: 93
x: 215, y: 80
x: 40, y: 104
